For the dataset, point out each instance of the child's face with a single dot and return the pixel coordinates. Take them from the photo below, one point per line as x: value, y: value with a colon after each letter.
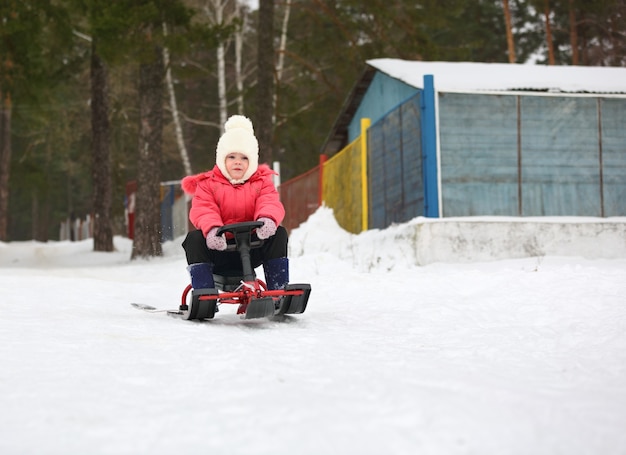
x: 236, y: 165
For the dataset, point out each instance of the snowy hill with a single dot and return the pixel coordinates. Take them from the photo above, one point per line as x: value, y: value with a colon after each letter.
x: 509, y: 356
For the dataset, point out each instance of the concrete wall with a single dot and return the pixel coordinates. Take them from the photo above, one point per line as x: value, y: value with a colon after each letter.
x: 423, y: 241
x: 473, y: 239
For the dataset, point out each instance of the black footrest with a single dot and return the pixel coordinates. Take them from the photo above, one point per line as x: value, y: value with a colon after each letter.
x: 295, y: 304
x: 260, y: 308
x: 201, y: 308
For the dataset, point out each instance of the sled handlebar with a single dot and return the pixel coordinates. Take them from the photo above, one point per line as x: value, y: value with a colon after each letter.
x: 242, y: 233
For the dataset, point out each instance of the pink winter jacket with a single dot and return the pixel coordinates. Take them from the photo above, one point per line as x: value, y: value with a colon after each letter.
x: 217, y: 202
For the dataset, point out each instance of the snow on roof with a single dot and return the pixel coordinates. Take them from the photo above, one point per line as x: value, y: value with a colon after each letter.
x: 469, y: 77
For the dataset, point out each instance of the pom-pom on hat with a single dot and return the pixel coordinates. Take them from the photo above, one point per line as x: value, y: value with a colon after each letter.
x: 238, y: 137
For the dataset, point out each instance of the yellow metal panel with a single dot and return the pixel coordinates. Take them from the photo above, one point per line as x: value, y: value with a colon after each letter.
x: 344, y: 186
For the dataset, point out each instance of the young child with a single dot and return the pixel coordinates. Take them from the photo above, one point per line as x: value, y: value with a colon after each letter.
x: 237, y: 189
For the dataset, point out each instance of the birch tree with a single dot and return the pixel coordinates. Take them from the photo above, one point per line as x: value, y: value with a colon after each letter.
x: 214, y: 9
x: 239, y: 36
x: 265, y: 79
x: 282, y: 48
x: 180, y: 140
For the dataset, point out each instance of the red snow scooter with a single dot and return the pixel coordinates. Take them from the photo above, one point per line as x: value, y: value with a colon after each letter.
x: 242, y: 287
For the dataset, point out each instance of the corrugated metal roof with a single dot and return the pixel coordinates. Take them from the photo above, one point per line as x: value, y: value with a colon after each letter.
x: 470, y: 77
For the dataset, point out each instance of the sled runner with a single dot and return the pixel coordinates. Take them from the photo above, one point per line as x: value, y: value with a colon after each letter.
x: 242, y: 287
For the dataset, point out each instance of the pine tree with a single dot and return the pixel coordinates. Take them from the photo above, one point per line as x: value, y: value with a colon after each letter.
x: 27, y: 75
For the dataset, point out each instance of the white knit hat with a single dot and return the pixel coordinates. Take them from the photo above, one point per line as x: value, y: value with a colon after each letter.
x: 238, y: 137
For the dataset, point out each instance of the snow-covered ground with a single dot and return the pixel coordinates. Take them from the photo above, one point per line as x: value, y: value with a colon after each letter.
x: 516, y: 356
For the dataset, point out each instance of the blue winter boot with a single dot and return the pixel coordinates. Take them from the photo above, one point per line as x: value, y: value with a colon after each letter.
x: 276, y: 273
x: 201, y: 275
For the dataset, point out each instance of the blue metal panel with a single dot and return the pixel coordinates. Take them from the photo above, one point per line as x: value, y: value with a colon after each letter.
x: 613, y: 128
x: 412, y: 181
x: 560, y: 156
x: 384, y: 94
x: 167, y: 202
x: 393, y: 167
x: 376, y: 177
x: 429, y: 149
x: 478, y: 136
x: 395, y: 178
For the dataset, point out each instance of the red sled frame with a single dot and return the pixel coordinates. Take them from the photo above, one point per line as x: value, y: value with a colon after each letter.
x: 252, y: 295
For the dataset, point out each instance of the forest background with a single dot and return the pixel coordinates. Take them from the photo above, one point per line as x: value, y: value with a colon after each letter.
x: 97, y: 93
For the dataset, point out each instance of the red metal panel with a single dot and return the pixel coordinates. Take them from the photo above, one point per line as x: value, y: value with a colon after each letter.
x: 300, y: 196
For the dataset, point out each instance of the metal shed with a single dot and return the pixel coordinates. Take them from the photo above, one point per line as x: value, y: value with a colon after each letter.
x: 473, y: 139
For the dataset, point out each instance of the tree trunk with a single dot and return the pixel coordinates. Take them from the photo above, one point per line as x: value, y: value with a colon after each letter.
x: 549, y: 41
x: 100, y: 151
x: 509, y: 31
x: 147, y: 242
x: 40, y: 213
x: 5, y: 161
x: 265, y: 80
x: 573, y: 32
x: 34, y: 214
